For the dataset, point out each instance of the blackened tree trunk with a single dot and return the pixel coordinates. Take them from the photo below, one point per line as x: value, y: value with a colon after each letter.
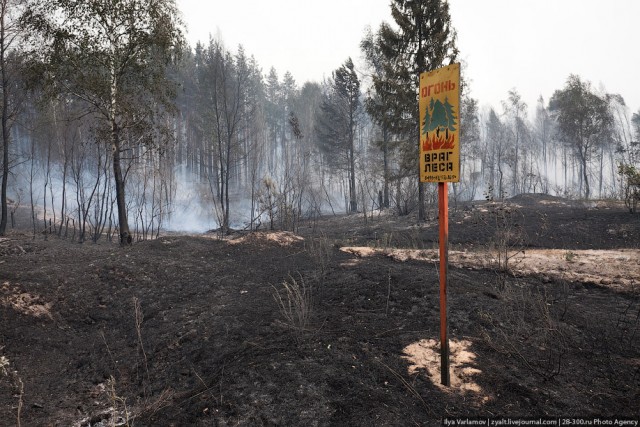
x: 5, y: 142
x: 353, y: 201
x: 385, y: 159
x: 125, y: 236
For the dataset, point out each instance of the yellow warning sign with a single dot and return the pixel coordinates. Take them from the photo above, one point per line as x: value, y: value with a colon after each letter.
x: 440, y: 124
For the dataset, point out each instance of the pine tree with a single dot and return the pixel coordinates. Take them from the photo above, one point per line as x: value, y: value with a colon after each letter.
x: 424, y: 40
x: 377, y: 105
x: 340, y: 114
x: 450, y: 116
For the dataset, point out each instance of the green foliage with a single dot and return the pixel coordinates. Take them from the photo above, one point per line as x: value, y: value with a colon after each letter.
x: 340, y: 110
x: 569, y: 256
x: 631, y: 185
x: 584, y: 121
x: 424, y: 40
x: 96, y: 45
x: 470, y: 127
x: 581, y: 114
x: 340, y: 115
x: 111, y: 56
x: 630, y: 173
x: 442, y: 117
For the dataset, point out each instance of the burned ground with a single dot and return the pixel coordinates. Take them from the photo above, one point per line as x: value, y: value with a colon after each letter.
x: 186, y: 330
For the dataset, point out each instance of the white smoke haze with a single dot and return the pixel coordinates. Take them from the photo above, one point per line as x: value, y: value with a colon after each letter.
x: 191, y: 208
x: 190, y: 216
x: 190, y: 212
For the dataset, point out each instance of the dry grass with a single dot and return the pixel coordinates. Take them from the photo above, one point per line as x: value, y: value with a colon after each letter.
x: 295, y: 303
x: 16, y: 382
x: 525, y: 320
x: 320, y: 251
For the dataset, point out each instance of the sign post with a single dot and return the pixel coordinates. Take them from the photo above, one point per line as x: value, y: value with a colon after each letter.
x: 443, y: 216
x: 440, y: 162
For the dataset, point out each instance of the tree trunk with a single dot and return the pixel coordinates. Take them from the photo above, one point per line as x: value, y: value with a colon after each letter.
x: 5, y: 132
x: 63, y: 208
x: 221, y: 196
x: 422, y: 213
x: 5, y: 162
x: 601, y: 172
x: 516, y: 190
x: 125, y: 236
x: 500, y: 180
x: 123, y: 223
x: 585, y: 176
x: 352, y: 181
x: 226, y: 193
x: 385, y: 156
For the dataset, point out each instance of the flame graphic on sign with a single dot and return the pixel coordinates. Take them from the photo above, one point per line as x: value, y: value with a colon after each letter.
x: 435, y: 142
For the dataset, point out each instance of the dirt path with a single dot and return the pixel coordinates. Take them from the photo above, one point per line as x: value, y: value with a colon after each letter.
x: 617, y: 269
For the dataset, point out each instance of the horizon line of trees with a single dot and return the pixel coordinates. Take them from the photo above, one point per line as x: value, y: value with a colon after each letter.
x: 109, y: 120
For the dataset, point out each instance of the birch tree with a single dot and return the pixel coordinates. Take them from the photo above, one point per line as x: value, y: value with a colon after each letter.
x: 111, y: 55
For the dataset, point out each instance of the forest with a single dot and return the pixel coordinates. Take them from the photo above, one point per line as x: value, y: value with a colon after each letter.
x: 113, y: 127
x: 259, y: 251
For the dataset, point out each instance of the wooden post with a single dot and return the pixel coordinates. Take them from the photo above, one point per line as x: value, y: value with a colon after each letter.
x: 443, y: 217
x: 440, y: 162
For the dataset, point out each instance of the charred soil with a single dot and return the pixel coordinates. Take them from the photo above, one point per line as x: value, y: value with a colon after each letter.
x: 337, y: 324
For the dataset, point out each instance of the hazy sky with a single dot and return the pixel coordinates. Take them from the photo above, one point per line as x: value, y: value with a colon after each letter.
x: 530, y: 45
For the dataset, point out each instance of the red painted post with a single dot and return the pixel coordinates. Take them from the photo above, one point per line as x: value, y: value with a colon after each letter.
x: 443, y: 216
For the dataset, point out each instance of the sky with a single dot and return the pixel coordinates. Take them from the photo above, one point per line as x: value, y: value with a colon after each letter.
x: 530, y: 45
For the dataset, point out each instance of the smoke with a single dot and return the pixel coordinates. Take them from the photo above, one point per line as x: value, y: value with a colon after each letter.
x: 190, y: 217
x: 191, y: 209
